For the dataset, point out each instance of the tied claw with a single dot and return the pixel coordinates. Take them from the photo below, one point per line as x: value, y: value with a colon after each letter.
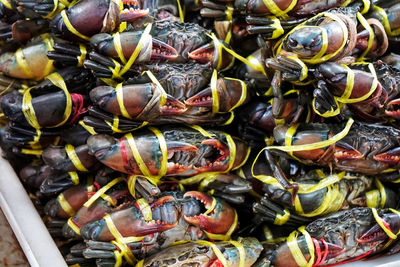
x: 344, y: 151
x: 391, y: 157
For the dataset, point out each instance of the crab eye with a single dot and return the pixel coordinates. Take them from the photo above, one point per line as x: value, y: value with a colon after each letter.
x: 292, y: 42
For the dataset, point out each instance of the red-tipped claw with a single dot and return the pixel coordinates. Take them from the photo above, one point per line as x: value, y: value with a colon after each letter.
x: 161, y: 50
x: 217, y: 221
x: 203, y: 54
x: 345, y: 151
x: 390, y: 221
x: 201, y: 99
x: 391, y: 157
x: 393, y: 108
x: 173, y: 106
x: 132, y: 11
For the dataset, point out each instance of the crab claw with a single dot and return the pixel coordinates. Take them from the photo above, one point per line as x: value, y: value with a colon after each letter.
x: 131, y: 11
x: 326, y: 250
x: 201, y: 99
x: 375, y: 234
x: 393, y: 108
x: 152, y: 49
x: 173, y: 106
x: 219, y: 163
x: 391, y: 157
x: 208, y: 53
x: 217, y: 221
x: 345, y: 151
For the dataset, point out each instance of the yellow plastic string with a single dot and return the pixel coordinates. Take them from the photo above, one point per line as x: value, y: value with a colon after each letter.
x: 88, y: 128
x: 53, y: 12
x: 385, y: 21
x: 212, y: 207
x: 232, y: 151
x: 202, y: 131
x: 31, y: 152
x: 278, y: 27
x: 49, y: 42
x: 136, y: 155
x: 216, y: 250
x: 214, y: 92
x: 228, y: 234
x: 36, y: 137
x: 22, y: 64
x: 163, y: 96
x: 119, y: 240
x: 274, y: 9
x: 316, y: 145
x: 350, y: 83
x: 282, y: 219
x: 229, y: 16
x: 144, y: 207
x: 257, y: 65
x: 73, y: 226
x: 74, y: 177
x: 82, y: 56
x: 71, y: 28
x: 366, y: 6
x: 164, y: 151
x: 118, y: 258
x: 118, y: 47
x: 65, y: 205
x: 382, y: 192
x: 6, y: 4
x: 132, y: 182
x: 242, y: 96
x: 372, y: 198
x: 120, y: 98
x: 218, y: 43
x: 101, y: 191
x: 295, y: 250
x: 58, y: 81
x: 242, y: 252
x: 371, y: 37
x: 379, y: 220
x: 207, y: 180
x: 139, y: 264
x: 181, y: 13
x: 70, y: 149
x: 135, y: 54
x: 304, y: 68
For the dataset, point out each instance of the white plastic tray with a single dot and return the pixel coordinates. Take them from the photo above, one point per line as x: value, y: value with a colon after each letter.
x: 37, y: 243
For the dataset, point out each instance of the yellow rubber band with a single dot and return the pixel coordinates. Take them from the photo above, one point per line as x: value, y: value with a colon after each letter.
x: 242, y: 96
x: 295, y: 250
x: 181, y: 13
x: 136, y: 155
x: 65, y: 205
x: 164, y: 151
x: 102, y: 190
x: 382, y: 192
x: 242, y: 252
x: 31, y: 152
x: 21, y: 62
x: 385, y: 21
x: 71, y: 28
x: 70, y: 149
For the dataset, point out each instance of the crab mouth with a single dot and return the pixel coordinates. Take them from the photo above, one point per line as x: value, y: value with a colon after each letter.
x: 393, y: 109
x: 161, y: 50
x: 211, y: 155
x: 132, y: 11
x: 203, y: 54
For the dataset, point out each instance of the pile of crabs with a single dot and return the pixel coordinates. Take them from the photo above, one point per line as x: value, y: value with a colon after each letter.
x: 206, y: 132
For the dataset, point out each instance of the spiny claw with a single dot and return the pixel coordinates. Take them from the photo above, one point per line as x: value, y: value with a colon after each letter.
x: 174, y: 146
x: 375, y: 233
x: 218, y: 221
x: 393, y: 108
x: 345, y: 151
x: 209, y: 53
x: 201, y: 99
x: 173, y: 106
x: 391, y: 156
